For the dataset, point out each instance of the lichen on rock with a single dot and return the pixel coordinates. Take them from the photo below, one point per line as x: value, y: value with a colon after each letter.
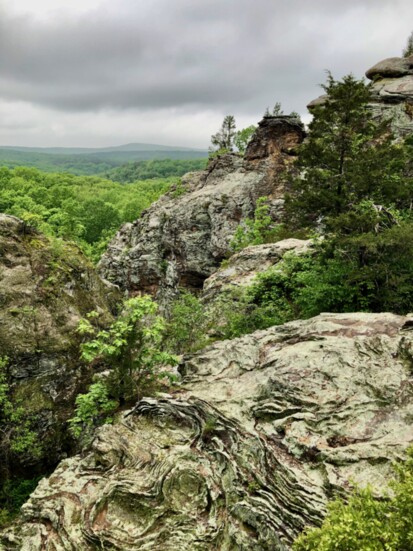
x: 46, y: 286
x: 182, y: 238
x: 263, y: 430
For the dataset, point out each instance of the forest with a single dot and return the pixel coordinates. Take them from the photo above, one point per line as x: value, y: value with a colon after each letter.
x: 106, y: 161
x: 85, y: 209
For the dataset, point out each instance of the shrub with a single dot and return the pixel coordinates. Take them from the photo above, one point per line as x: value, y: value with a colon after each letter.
x: 253, y: 231
x: 18, y: 437
x: 131, y: 350
x: 187, y: 326
x: 366, y: 523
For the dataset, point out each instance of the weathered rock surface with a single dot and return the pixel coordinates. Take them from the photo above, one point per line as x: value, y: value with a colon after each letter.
x: 241, y: 268
x: 44, y: 290
x: 261, y: 433
x: 392, y: 94
x: 182, y: 238
x: 392, y: 67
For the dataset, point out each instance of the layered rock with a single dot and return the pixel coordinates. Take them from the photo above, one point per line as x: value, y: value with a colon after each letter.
x: 183, y: 237
x: 262, y: 432
x: 45, y: 288
x: 392, y: 94
x: 241, y: 269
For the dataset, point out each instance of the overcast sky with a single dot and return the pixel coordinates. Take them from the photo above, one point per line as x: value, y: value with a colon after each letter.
x: 107, y: 72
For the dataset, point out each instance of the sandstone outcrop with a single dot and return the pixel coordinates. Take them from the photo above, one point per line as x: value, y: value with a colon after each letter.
x: 392, y: 94
x: 260, y: 434
x: 241, y: 268
x: 45, y: 287
x: 183, y: 237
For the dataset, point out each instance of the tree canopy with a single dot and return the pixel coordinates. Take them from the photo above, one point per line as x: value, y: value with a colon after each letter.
x: 85, y: 209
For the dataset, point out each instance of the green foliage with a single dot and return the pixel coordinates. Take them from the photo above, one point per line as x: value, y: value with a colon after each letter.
x: 365, y: 523
x: 92, y: 409
x: 355, y: 187
x: 243, y: 137
x: 132, y: 351
x: 188, y: 325
x: 122, y: 166
x: 408, y: 50
x: 238, y: 315
x: 146, y: 170
x: 17, y: 437
x: 13, y: 494
x: 87, y: 210
x: 347, y: 158
x: 254, y: 231
x: 213, y: 154
x: 224, y: 138
x: 277, y: 110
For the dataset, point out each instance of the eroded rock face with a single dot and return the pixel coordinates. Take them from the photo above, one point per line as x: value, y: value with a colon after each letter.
x: 392, y: 94
x: 241, y: 268
x: 182, y: 238
x: 44, y: 290
x: 250, y: 448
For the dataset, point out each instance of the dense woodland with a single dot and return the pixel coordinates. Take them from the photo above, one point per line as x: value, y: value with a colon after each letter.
x: 85, y: 209
x: 104, y: 163
x: 352, y: 197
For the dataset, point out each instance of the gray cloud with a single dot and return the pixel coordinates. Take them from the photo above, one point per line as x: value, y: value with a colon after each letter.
x: 210, y: 55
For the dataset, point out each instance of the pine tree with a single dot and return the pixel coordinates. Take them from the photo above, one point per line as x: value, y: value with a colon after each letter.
x: 224, y: 138
x: 355, y: 188
x: 277, y: 110
x: 347, y: 158
x: 408, y: 51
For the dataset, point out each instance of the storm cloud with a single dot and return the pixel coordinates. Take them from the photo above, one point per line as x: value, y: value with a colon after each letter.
x: 157, y: 70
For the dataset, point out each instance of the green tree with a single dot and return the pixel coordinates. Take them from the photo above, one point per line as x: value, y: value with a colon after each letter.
x: 187, y: 326
x: 243, y: 137
x: 277, y: 110
x: 224, y: 138
x: 131, y: 350
x: 408, y: 50
x: 343, y: 142
x: 355, y: 187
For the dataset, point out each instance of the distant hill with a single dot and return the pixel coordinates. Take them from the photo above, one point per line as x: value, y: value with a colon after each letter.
x: 87, y: 161
x: 130, y: 147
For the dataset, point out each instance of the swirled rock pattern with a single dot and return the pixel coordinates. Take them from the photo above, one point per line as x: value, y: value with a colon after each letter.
x: 246, y: 451
x: 181, y: 239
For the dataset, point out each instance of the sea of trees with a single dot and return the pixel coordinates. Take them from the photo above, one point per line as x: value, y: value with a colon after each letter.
x: 99, y: 163
x: 155, y: 168
x: 84, y: 209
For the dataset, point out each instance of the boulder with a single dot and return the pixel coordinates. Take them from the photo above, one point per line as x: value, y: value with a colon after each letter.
x: 262, y: 432
x: 182, y: 238
x: 392, y: 67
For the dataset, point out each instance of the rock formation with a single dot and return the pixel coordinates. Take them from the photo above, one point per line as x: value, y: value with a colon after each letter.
x: 44, y: 290
x: 183, y: 237
x: 260, y: 434
x: 392, y: 94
